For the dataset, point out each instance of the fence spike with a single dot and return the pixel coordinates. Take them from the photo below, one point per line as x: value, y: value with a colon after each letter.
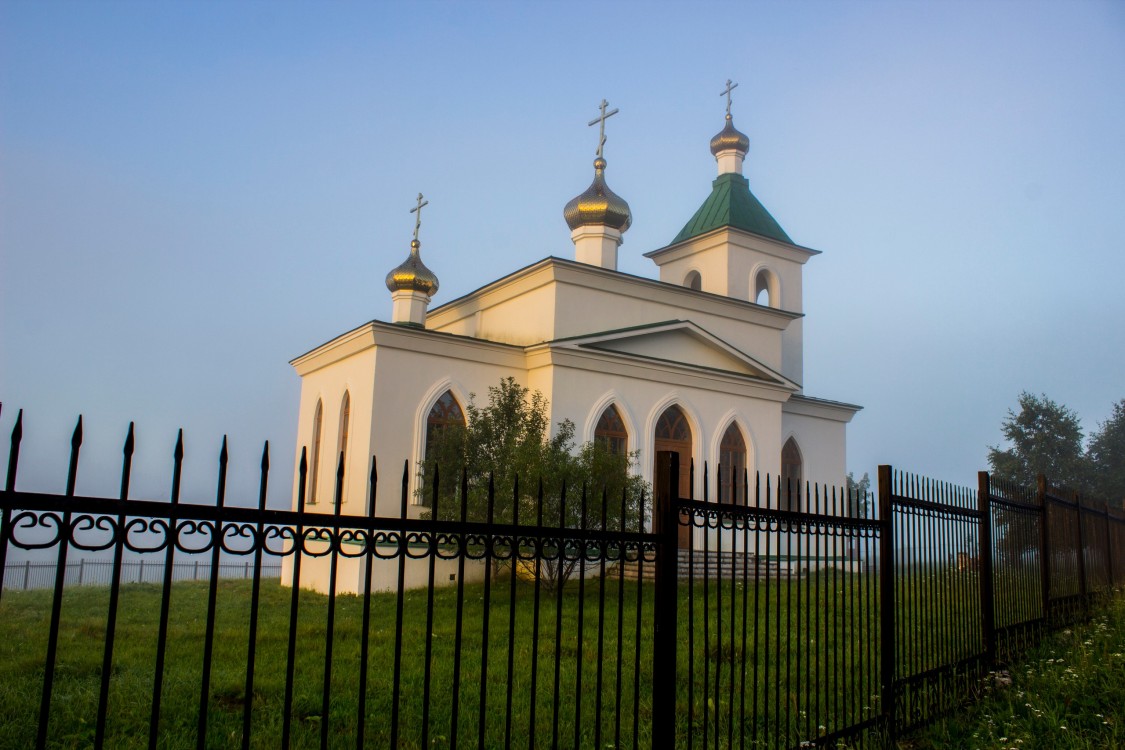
x: 127, y: 462
x: 302, y: 483
x: 491, y: 498
x: 75, y: 447
x: 434, y: 502
x: 539, y: 503
x: 221, y: 493
x: 405, y: 486
x: 177, y: 466
x: 691, y: 478
x: 263, y: 483
x: 14, y: 452
x: 464, y: 494
x: 562, y: 507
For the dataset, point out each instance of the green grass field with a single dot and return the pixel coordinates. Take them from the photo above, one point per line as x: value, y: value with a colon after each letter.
x: 788, y: 704
x: 802, y: 664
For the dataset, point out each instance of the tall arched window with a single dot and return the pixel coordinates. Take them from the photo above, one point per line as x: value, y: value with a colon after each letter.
x: 611, y: 432
x: 693, y: 281
x: 444, y: 414
x: 673, y: 433
x: 345, y: 417
x: 318, y: 419
x: 791, y: 466
x: 732, y: 466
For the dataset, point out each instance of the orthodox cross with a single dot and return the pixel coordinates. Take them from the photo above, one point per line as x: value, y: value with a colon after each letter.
x: 418, y: 219
x: 730, y: 87
x: 601, y: 119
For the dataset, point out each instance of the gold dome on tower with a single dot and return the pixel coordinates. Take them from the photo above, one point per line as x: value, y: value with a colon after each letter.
x: 598, y: 205
x: 412, y: 274
x: 729, y: 138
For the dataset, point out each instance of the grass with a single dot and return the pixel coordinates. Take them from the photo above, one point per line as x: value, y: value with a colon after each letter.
x: 802, y: 664
x: 816, y: 618
x: 1068, y: 693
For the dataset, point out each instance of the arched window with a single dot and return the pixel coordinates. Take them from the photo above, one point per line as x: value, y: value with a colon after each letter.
x: 611, y: 432
x: 673, y: 433
x: 318, y: 419
x: 732, y: 466
x: 766, y: 291
x: 345, y: 417
x: 791, y: 475
x: 693, y: 281
x: 445, y: 413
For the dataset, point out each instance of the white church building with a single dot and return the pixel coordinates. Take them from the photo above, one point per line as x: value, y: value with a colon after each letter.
x: 704, y: 359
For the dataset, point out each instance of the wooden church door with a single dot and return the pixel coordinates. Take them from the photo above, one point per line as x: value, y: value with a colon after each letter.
x: 673, y: 433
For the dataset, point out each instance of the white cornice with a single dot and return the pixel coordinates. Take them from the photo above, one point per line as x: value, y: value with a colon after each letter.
x: 557, y: 270
x: 736, y: 237
x: 379, y: 334
x: 807, y: 406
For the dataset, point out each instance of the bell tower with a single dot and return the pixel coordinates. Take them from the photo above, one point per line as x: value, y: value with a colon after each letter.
x: 732, y: 246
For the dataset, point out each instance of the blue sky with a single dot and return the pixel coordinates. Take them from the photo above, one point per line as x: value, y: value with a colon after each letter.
x: 193, y: 194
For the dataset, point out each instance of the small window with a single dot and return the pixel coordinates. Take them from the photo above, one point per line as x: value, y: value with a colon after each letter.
x: 766, y: 289
x: 694, y: 281
x: 318, y: 419
x: 611, y: 433
x: 732, y: 467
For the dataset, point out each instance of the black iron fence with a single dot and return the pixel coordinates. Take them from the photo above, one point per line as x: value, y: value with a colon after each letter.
x: 808, y: 618
x: 29, y: 575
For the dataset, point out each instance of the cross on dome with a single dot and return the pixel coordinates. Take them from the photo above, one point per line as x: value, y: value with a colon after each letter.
x: 726, y: 92
x: 601, y: 130
x: 418, y: 219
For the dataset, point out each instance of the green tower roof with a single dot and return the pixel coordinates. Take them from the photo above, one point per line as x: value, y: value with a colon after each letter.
x: 731, y: 204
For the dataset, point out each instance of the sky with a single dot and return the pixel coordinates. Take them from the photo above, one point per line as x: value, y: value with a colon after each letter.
x: 193, y: 194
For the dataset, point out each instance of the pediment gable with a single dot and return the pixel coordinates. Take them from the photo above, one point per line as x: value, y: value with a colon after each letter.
x: 680, y: 342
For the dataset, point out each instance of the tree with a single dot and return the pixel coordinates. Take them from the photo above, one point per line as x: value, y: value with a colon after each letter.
x: 1045, y: 438
x: 506, y: 449
x: 1106, y: 458
x: 859, y: 494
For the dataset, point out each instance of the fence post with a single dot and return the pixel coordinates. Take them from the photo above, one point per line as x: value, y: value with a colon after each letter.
x: 987, y: 613
x: 26, y: 573
x: 665, y: 521
x: 1108, y: 548
x: 1083, y: 588
x: 886, y: 603
x: 81, y: 569
x: 1044, y: 548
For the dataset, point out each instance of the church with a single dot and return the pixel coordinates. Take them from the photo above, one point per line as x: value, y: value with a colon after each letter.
x: 705, y: 359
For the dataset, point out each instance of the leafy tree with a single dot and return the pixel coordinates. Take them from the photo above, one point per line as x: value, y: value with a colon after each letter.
x: 859, y: 494
x: 1106, y: 458
x: 1045, y: 438
x: 505, y: 449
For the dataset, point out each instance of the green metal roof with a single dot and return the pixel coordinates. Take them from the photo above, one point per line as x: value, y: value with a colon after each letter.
x: 731, y: 204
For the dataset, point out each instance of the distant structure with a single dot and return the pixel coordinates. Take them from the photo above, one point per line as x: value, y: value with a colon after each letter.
x: 705, y: 360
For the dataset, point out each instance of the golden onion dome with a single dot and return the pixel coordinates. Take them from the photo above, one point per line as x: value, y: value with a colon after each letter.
x: 729, y: 137
x: 598, y: 205
x: 413, y: 274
